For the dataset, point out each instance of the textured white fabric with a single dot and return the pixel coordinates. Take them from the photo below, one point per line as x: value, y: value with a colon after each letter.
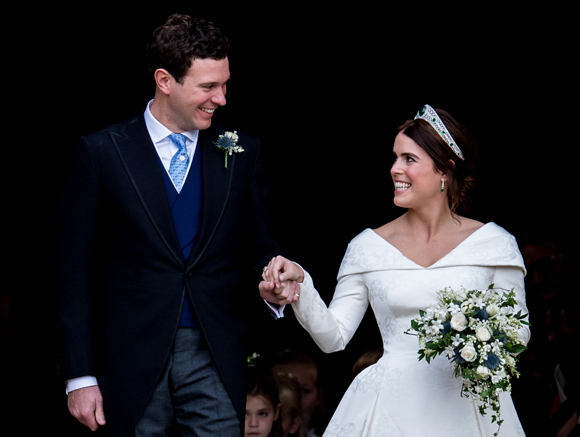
x: 399, y: 395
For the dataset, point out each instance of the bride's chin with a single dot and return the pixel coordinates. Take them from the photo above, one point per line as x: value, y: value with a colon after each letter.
x: 399, y: 202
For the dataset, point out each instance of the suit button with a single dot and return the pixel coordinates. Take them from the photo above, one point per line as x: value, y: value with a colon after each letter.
x: 189, y: 274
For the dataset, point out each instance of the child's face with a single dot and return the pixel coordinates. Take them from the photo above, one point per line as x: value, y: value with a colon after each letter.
x: 307, y: 377
x: 260, y: 415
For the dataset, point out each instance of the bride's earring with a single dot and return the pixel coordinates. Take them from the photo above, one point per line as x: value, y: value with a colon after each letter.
x: 442, y: 184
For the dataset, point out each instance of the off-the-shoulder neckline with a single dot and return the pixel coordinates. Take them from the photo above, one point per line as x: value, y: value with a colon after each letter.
x: 464, y: 241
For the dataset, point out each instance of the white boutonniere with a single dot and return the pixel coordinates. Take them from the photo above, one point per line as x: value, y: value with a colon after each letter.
x: 228, y: 142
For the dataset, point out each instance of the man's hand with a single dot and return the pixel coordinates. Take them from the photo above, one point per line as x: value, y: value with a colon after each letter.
x: 280, y: 281
x: 86, y: 405
x: 287, y: 293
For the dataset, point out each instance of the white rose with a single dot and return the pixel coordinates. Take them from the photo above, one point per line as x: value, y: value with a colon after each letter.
x: 483, y: 371
x: 482, y: 333
x: 458, y: 322
x: 468, y: 353
x: 492, y: 309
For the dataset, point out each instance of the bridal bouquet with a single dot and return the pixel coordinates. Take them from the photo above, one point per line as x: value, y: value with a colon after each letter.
x: 478, y: 331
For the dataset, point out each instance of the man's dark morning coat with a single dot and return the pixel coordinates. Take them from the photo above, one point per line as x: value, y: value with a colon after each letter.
x: 120, y: 276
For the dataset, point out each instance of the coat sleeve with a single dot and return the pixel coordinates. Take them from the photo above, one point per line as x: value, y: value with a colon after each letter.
x: 75, y: 227
x: 264, y: 243
x: 332, y: 327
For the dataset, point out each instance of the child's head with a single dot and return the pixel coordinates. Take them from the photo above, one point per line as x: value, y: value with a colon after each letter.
x: 262, y: 405
x: 290, y: 392
x: 367, y: 359
x: 302, y: 366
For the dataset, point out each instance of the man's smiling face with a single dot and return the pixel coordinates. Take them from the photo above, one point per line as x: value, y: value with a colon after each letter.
x: 191, y: 104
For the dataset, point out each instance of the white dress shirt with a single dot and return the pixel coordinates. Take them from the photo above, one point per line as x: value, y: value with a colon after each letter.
x: 165, y: 147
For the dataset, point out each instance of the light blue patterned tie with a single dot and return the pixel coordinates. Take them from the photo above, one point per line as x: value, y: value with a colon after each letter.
x: 179, y: 162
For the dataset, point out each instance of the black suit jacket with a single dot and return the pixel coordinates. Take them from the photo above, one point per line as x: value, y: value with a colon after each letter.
x: 120, y: 277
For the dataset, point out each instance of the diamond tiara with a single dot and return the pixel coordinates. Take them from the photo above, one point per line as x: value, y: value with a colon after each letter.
x: 428, y: 114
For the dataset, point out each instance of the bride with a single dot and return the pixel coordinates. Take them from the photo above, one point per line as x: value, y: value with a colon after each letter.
x: 398, y: 269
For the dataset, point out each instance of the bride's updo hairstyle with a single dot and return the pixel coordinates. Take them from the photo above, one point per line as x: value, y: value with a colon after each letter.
x: 460, y: 178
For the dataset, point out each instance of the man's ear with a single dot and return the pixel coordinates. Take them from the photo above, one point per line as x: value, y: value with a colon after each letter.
x: 164, y: 80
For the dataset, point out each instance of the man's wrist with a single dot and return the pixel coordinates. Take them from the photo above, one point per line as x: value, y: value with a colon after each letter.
x: 81, y: 382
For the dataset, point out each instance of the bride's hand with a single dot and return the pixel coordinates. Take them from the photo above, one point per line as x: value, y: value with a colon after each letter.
x: 280, y: 279
x: 287, y: 293
x: 280, y: 269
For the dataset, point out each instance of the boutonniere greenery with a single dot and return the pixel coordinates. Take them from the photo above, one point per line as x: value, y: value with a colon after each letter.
x: 228, y: 142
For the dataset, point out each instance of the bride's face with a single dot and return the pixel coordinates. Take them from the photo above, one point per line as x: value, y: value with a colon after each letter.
x: 417, y: 182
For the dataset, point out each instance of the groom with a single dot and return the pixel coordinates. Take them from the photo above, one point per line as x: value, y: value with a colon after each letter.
x: 155, y: 225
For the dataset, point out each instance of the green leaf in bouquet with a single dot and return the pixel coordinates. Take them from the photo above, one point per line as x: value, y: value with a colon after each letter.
x: 521, y: 317
x: 515, y: 348
x: 421, y: 354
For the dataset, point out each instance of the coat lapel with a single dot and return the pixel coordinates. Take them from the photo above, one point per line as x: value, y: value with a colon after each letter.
x: 217, y: 181
x: 141, y: 161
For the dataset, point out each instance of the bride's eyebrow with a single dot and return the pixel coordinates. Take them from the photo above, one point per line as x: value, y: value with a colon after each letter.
x: 407, y: 154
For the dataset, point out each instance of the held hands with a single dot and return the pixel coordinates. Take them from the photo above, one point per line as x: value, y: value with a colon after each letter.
x: 280, y: 281
x: 86, y: 405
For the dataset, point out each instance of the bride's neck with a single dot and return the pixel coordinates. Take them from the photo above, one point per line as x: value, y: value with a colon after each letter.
x: 429, y: 223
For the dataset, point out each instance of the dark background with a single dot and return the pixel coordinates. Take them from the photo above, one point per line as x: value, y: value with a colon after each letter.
x: 324, y: 90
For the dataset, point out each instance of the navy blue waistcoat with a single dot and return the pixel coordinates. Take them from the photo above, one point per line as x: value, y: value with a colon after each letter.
x: 186, y: 213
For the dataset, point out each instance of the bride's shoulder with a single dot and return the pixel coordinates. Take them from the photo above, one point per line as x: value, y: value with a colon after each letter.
x: 469, y: 226
x: 488, y: 230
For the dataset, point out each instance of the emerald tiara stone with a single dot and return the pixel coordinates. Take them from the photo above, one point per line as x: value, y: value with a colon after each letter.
x: 428, y: 114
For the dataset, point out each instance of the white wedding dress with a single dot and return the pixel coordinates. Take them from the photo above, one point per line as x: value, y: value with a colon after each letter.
x: 399, y: 395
